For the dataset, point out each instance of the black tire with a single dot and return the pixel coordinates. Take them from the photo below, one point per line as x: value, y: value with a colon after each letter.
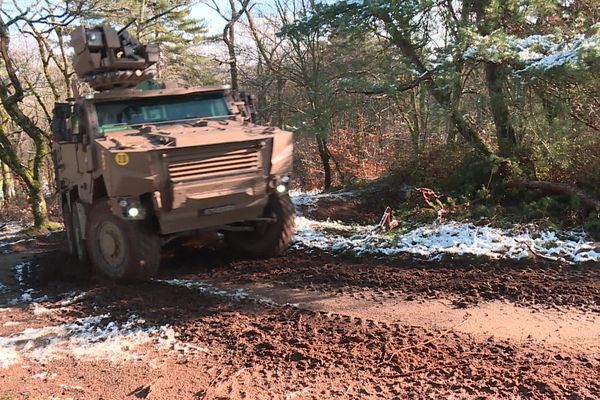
x: 78, y: 242
x: 121, y: 250
x: 267, y: 239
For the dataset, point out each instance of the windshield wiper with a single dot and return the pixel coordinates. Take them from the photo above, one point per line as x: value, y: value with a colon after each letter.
x: 192, y: 119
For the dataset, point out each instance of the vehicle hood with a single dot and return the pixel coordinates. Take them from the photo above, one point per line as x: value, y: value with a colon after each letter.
x: 184, y: 135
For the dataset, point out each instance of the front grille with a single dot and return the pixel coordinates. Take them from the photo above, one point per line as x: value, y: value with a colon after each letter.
x: 215, y: 161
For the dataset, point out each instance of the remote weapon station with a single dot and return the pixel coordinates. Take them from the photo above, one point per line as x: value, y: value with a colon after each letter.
x: 137, y: 168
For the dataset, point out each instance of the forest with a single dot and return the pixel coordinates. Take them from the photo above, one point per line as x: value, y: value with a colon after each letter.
x: 494, y: 105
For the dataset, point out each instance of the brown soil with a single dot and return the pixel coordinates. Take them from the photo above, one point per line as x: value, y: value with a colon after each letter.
x: 256, y: 351
x: 362, y: 329
x: 538, y: 284
x: 366, y: 207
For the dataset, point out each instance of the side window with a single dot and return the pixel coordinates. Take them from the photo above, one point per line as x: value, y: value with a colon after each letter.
x: 61, y: 122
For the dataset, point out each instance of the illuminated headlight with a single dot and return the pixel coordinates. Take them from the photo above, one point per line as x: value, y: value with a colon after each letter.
x: 131, y: 208
x: 281, y: 188
x: 283, y: 185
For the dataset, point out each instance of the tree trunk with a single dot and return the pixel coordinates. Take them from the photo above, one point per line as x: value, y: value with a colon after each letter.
x: 438, y: 91
x: 455, y: 99
x: 233, y: 68
x: 279, y: 112
x: 325, y: 158
x: 229, y: 40
x: 38, y: 206
x: 5, y: 188
x: 505, y: 133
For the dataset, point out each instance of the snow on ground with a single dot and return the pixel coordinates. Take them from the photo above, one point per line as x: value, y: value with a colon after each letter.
x: 20, y: 270
x: 90, y: 338
x: 236, y: 294
x: 434, y: 240
x: 322, y: 234
x: 310, y: 199
x: 7, y: 244
x: 9, y: 231
x: 27, y: 294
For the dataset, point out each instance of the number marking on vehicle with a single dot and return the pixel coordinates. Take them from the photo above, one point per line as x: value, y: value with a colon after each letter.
x: 122, y: 159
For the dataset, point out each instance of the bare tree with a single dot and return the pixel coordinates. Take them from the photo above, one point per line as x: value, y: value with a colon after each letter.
x: 13, y: 93
x: 231, y: 16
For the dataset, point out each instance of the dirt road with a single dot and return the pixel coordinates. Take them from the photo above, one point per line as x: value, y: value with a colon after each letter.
x: 306, y: 326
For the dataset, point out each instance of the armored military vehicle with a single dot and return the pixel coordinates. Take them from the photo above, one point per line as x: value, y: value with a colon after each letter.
x: 137, y: 168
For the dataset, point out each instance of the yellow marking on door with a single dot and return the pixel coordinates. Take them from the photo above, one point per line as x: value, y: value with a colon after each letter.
x: 122, y: 159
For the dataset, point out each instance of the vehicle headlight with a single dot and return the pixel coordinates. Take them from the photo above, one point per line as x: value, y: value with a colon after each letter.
x: 283, y: 184
x: 131, y: 208
x: 281, y: 188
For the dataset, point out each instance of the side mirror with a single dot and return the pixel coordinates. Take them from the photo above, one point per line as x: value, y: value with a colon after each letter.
x: 250, y: 105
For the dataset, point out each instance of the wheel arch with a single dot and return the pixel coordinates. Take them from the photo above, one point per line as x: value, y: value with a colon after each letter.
x: 99, y: 188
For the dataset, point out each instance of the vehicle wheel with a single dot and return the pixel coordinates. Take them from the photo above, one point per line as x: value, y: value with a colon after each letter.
x: 78, y: 243
x: 68, y: 222
x: 267, y: 239
x: 122, y: 250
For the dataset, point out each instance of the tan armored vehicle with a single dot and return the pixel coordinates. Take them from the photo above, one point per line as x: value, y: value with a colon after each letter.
x: 136, y: 168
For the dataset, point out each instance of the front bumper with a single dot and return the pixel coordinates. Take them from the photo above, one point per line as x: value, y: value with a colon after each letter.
x: 212, y: 214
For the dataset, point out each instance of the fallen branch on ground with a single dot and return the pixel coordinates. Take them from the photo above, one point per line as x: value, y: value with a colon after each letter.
x: 386, y: 223
x: 429, y: 194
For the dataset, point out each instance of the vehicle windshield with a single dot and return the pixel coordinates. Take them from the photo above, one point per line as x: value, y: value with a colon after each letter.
x: 116, y: 115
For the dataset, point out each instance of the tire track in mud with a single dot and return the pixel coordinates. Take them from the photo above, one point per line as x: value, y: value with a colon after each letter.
x: 283, y: 350
x: 257, y: 348
x: 465, y: 282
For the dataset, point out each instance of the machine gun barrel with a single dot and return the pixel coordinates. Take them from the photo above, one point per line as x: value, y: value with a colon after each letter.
x: 127, y: 25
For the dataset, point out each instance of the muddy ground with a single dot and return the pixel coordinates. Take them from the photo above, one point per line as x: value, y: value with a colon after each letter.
x: 309, y: 325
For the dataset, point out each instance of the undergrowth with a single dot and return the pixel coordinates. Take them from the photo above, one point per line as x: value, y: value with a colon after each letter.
x: 472, y: 188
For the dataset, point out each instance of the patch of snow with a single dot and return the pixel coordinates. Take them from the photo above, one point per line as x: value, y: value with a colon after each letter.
x: 9, y: 231
x: 309, y: 199
x: 5, y: 244
x: 471, y: 52
x: 91, y: 338
x: 72, y: 298
x: 44, y: 375
x: 38, y: 309
x: 308, y: 236
x: 236, y: 294
x: 71, y: 387
x: 321, y: 235
x: 3, y: 288
x: 27, y: 294
x: 449, y: 238
x: 19, y: 270
x: 535, y: 53
x: 8, y: 357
